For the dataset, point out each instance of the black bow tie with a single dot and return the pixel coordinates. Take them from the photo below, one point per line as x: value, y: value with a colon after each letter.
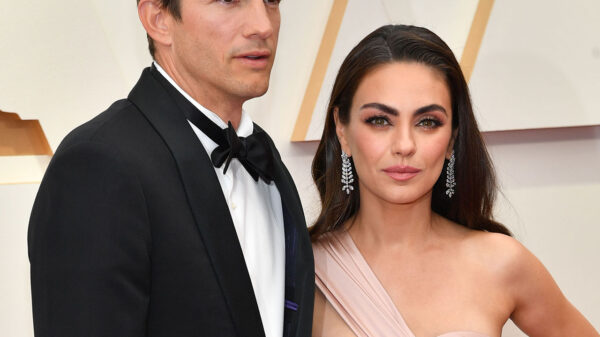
x: 254, y: 152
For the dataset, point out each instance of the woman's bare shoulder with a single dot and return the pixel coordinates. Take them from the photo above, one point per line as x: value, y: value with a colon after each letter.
x: 505, y: 258
x: 495, y: 244
x: 496, y: 253
x: 526, y: 283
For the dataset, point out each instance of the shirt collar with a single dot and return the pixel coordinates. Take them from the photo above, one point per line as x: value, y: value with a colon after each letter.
x: 246, y: 126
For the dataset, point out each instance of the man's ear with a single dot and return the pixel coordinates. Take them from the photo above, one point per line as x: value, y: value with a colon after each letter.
x: 156, y: 21
x: 451, y: 144
x: 340, y: 131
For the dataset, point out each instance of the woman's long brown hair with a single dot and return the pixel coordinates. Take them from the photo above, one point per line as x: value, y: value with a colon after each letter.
x: 472, y: 203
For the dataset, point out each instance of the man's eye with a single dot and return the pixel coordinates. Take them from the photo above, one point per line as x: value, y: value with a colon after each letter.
x: 272, y: 2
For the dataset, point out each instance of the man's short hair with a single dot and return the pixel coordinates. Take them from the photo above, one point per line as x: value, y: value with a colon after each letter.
x: 173, y: 7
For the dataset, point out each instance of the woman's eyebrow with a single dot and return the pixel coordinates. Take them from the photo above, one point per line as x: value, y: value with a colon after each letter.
x: 389, y: 110
x: 430, y: 108
x: 381, y: 107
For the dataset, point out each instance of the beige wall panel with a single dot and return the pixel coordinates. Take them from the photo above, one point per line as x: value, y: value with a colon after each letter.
x: 539, y: 65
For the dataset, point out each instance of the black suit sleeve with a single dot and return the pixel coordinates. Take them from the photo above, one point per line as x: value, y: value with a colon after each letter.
x: 89, y: 246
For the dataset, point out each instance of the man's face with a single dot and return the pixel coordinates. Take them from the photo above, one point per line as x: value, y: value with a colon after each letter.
x: 224, y: 49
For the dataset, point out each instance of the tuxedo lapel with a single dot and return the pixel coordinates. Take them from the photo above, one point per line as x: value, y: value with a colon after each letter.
x: 158, y: 101
x: 299, y: 266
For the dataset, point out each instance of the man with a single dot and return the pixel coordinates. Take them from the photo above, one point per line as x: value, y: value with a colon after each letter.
x: 171, y: 214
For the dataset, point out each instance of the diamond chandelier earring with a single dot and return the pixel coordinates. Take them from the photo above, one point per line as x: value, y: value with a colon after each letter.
x: 450, y: 180
x: 347, y: 176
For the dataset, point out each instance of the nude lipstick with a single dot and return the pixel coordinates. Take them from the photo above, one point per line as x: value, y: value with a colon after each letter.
x: 401, y: 173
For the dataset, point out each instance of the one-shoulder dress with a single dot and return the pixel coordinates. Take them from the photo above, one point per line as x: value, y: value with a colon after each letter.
x: 352, y: 289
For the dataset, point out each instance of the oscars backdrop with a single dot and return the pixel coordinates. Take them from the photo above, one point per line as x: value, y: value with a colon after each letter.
x: 532, y: 64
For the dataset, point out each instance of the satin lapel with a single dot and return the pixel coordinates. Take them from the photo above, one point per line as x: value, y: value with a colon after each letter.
x: 205, y: 198
x: 299, y: 267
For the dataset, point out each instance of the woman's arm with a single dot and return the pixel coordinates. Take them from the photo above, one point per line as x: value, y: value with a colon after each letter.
x: 541, y: 309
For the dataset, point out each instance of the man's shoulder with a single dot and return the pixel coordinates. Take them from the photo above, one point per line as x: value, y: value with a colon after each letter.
x: 118, y: 142
x: 119, y: 136
x: 116, y: 123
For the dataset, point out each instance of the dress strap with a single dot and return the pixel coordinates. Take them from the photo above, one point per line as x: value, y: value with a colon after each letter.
x: 353, y: 290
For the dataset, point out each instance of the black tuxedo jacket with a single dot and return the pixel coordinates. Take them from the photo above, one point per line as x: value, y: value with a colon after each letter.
x: 130, y: 234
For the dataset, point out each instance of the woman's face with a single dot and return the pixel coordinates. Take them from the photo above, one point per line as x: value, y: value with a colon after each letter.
x: 399, y: 131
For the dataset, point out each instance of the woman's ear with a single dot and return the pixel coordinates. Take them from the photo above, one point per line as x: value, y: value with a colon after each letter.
x: 340, y: 131
x: 156, y: 21
x: 450, y: 148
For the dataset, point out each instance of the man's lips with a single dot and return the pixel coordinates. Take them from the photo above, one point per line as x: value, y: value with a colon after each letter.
x: 255, y: 55
x: 258, y: 59
x: 401, y: 173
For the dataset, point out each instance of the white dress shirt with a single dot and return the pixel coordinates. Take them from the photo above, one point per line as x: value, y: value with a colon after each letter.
x: 257, y: 215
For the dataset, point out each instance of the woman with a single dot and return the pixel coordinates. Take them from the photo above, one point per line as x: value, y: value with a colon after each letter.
x: 405, y: 244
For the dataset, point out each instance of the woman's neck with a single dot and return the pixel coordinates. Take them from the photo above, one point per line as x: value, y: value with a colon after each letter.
x: 382, y: 224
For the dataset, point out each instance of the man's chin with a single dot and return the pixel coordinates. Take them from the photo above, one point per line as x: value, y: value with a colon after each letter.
x: 254, y: 90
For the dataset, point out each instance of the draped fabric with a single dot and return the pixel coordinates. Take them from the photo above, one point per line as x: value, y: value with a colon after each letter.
x: 353, y: 290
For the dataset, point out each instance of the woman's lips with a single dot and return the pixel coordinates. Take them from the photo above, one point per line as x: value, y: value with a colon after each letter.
x: 401, y: 173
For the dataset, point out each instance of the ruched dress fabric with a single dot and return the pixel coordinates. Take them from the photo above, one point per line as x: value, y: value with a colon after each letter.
x: 352, y: 289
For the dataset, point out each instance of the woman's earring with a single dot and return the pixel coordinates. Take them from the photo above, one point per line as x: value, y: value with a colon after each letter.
x: 450, y: 181
x: 347, y: 176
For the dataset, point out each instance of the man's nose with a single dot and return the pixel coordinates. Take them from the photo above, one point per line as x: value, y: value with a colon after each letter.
x: 259, y: 20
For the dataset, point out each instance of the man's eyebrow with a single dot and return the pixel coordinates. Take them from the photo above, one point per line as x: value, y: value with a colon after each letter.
x: 429, y: 108
x: 381, y: 107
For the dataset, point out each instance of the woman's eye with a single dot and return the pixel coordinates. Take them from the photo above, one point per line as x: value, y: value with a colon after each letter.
x: 272, y: 2
x: 378, y: 121
x: 429, y: 123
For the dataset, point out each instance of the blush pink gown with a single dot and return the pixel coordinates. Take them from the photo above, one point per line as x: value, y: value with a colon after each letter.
x: 352, y: 289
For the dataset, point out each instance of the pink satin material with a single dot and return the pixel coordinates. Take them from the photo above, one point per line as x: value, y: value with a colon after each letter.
x: 353, y: 290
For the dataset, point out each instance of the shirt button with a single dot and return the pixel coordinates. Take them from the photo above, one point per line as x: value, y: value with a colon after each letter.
x: 233, y: 205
